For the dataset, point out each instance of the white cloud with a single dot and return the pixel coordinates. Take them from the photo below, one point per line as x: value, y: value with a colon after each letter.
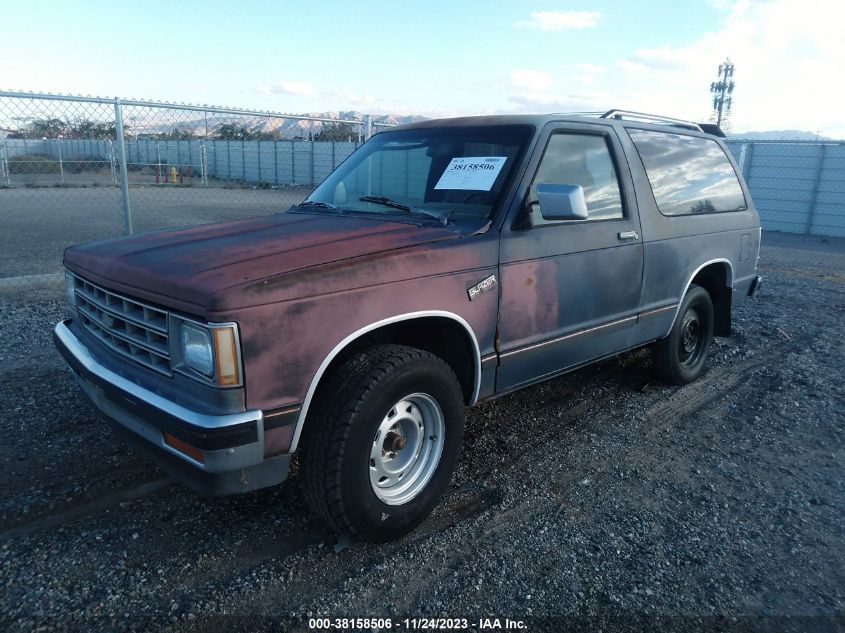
x: 537, y: 91
x: 350, y: 98
x: 721, y: 5
x: 549, y: 102
x: 532, y: 80
x: 560, y: 20
x: 591, y: 69
x: 663, y: 58
x: 788, y: 55
x: 585, y: 74
x: 300, y: 88
x: 786, y: 59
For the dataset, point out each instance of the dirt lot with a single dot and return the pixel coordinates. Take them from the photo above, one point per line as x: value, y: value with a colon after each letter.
x: 38, y: 224
x: 598, y: 501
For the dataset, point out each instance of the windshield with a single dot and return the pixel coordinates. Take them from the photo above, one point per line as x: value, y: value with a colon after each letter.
x: 448, y: 172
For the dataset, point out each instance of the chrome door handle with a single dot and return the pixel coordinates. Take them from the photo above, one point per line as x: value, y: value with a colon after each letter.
x: 629, y: 235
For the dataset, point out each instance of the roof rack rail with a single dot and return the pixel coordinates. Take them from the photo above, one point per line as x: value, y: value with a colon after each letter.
x: 596, y: 113
x: 651, y: 118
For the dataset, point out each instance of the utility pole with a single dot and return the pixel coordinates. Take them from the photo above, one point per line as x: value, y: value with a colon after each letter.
x: 722, y: 91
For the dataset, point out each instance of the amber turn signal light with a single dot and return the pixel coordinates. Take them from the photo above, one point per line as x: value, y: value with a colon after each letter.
x: 226, y: 356
x: 183, y: 447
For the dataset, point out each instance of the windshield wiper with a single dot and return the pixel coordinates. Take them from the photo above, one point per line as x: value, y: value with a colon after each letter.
x: 313, y: 203
x: 387, y: 202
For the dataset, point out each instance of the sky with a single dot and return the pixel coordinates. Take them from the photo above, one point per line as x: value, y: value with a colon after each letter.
x: 441, y: 57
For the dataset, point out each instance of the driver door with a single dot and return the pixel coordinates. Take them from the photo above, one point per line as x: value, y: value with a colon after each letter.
x: 570, y: 291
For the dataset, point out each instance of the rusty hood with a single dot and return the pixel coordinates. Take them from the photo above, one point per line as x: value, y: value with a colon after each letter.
x: 187, y: 268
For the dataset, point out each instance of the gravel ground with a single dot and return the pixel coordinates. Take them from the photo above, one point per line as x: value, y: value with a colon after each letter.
x: 602, y: 500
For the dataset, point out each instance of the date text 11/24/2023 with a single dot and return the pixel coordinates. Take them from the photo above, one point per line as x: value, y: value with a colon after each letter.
x: 417, y: 624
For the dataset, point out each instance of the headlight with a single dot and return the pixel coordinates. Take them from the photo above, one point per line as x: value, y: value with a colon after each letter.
x: 70, y: 290
x: 196, y: 349
x: 210, y: 351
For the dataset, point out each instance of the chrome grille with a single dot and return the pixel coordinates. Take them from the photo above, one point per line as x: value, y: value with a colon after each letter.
x: 124, y: 325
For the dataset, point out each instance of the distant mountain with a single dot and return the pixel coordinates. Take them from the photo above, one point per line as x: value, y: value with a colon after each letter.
x: 779, y: 135
x: 279, y: 127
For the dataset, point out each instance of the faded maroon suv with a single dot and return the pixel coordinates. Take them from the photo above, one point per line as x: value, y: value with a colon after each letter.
x: 442, y: 264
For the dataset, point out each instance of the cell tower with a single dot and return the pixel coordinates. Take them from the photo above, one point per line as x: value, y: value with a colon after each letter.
x: 722, y: 91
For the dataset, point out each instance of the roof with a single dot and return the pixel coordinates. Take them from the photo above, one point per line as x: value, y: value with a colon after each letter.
x: 539, y: 120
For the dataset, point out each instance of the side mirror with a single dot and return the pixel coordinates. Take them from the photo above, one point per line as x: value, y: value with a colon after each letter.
x: 561, y: 202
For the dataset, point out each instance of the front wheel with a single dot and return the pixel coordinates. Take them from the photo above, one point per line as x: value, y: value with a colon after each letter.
x: 681, y: 357
x: 381, y: 452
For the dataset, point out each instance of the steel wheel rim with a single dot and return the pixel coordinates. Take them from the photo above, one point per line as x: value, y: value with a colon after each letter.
x: 691, y: 341
x: 406, y: 448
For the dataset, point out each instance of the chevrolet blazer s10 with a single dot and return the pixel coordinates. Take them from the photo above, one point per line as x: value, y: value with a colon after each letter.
x: 442, y: 264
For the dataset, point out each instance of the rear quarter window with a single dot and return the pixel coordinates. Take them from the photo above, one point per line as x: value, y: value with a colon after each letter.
x: 689, y: 175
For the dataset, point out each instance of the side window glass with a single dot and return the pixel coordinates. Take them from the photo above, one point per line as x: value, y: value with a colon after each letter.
x: 580, y: 159
x: 689, y: 175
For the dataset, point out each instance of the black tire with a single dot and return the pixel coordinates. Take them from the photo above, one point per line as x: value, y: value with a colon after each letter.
x: 340, y: 437
x: 681, y: 357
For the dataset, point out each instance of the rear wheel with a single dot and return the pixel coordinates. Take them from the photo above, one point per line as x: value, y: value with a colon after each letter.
x: 383, y: 443
x: 681, y: 357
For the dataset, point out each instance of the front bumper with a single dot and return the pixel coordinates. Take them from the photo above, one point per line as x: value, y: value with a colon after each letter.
x: 230, y: 446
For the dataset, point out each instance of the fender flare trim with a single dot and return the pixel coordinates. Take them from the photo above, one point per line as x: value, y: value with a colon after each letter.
x: 315, y: 381
x: 729, y: 283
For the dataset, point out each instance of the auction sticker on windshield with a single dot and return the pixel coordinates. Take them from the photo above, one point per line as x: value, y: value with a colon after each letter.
x: 477, y: 173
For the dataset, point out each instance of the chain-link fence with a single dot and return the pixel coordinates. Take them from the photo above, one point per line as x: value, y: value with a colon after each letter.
x: 75, y: 169
x: 797, y: 186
